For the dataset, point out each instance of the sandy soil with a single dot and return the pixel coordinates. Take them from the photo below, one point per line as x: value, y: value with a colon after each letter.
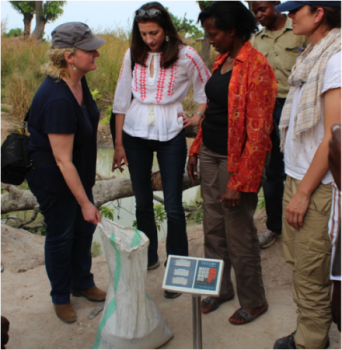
x: 27, y: 304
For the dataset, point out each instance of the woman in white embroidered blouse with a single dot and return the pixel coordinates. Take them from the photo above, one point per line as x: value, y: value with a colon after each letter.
x: 153, y: 121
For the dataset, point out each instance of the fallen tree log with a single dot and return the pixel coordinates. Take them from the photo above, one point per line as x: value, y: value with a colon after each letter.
x: 104, y: 191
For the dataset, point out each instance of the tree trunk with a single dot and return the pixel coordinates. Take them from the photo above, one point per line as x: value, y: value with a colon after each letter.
x: 205, y: 50
x: 104, y: 191
x: 27, y: 25
x: 249, y: 5
x: 40, y: 21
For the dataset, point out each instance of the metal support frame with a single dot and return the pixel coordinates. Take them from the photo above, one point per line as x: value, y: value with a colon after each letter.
x: 197, y: 321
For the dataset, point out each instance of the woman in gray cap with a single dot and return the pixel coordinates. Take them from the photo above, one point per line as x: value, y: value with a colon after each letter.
x: 63, y: 124
x: 312, y: 107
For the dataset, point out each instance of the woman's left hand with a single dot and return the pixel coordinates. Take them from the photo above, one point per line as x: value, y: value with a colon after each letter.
x: 231, y: 198
x: 296, y: 210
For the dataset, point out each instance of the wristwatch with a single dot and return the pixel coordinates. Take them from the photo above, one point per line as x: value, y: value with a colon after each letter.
x: 199, y: 113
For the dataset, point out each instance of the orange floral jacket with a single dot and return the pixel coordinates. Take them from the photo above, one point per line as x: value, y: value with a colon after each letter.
x: 251, y: 99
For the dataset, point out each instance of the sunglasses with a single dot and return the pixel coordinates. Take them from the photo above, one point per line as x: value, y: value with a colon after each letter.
x: 149, y: 13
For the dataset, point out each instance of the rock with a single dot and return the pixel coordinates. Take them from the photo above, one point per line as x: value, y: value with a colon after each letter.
x: 21, y: 250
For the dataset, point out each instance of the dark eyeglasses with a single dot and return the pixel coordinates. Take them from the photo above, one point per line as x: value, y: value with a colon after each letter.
x: 149, y: 13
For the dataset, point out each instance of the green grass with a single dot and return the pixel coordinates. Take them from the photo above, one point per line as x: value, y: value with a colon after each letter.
x: 5, y: 109
x: 2, y: 94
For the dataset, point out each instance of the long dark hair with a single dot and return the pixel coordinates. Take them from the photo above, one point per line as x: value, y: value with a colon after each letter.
x: 231, y: 14
x: 332, y: 16
x: 170, y: 49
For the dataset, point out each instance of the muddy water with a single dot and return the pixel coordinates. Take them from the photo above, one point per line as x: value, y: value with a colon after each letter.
x: 125, y: 208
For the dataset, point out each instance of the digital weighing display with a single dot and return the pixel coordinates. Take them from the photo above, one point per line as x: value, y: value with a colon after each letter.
x: 193, y: 275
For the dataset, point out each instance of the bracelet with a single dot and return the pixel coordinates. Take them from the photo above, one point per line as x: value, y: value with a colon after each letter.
x: 199, y: 113
x: 335, y: 127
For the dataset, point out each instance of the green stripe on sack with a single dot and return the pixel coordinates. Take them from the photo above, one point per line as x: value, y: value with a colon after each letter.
x: 136, y: 239
x: 111, y: 308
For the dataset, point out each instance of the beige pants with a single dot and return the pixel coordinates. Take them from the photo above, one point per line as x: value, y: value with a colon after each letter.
x: 308, y: 253
x: 230, y: 233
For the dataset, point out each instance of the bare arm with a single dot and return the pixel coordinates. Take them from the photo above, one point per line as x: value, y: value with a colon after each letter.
x: 62, y: 146
x: 298, y: 206
x: 335, y: 154
x: 196, y: 118
x: 119, y: 153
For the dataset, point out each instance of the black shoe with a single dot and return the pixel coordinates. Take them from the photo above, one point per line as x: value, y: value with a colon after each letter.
x: 153, y: 266
x: 171, y: 295
x: 286, y: 342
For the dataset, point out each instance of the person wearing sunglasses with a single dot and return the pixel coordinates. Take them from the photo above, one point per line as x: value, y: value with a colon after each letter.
x: 312, y: 107
x: 153, y: 121
x: 233, y: 145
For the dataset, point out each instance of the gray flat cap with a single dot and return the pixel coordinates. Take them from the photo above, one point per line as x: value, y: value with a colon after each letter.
x: 75, y: 34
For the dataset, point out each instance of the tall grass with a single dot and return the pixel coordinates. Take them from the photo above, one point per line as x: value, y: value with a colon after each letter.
x: 21, y: 76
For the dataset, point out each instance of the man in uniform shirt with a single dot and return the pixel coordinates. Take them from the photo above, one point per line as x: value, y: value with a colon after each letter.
x: 281, y: 48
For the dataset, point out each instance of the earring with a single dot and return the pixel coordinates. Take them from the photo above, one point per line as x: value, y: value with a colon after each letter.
x: 167, y: 38
x: 73, y: 67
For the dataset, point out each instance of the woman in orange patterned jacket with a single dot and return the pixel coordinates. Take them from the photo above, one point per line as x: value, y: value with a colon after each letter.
x: 232, y: 152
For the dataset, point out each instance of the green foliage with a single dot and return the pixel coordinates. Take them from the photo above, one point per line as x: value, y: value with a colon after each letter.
x: 261, y: 202
x: 14, y: 33
x: 195, y: 217
x: 5, y: 109
x: 52, y: 10
x: 24, y: 7
x: 204, y: 4
x: 185, y: 26
x: 107, y: 212
x: 96, y: 249
x: 39, y: 231
x: 159, y: 216
x: 96, y: 95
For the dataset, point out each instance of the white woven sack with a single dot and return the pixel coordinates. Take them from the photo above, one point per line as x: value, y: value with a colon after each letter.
x: 130, y: 319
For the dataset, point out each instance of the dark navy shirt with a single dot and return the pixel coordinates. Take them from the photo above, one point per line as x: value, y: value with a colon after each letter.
x: 215, y: 123
x: 54, y: 109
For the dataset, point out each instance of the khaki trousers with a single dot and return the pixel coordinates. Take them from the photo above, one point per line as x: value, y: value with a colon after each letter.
x: 308, y: 253
x: 230, y: 233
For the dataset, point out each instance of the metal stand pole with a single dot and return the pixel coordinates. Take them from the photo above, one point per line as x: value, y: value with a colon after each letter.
x: 197, y: 321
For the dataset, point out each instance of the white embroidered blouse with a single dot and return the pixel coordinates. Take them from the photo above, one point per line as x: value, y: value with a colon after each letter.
x: 153, y: 112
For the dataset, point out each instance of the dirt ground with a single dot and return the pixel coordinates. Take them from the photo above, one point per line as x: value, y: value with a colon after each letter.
x: 26, y: 302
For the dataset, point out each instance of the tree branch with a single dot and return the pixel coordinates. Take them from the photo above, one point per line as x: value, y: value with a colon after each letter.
x: 104, y: 191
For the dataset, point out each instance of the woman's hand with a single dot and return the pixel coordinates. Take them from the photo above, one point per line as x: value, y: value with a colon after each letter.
x: 335, y: 154
x: 90, y: 213
x: 231, y: 198
x: 296, y: 210
x: 119, y: 155
x: 192, y: 169
x: 194, y: 121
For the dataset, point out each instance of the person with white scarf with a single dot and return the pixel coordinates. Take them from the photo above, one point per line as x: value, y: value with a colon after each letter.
x: 312, y: 106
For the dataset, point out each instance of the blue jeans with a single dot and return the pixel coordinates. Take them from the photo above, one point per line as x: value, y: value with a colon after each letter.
x: 67, y: 245
x: 171, y: 157
x: 275, y: 173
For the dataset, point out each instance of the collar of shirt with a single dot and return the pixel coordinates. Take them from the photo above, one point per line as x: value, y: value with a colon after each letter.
x: 288, y: 26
